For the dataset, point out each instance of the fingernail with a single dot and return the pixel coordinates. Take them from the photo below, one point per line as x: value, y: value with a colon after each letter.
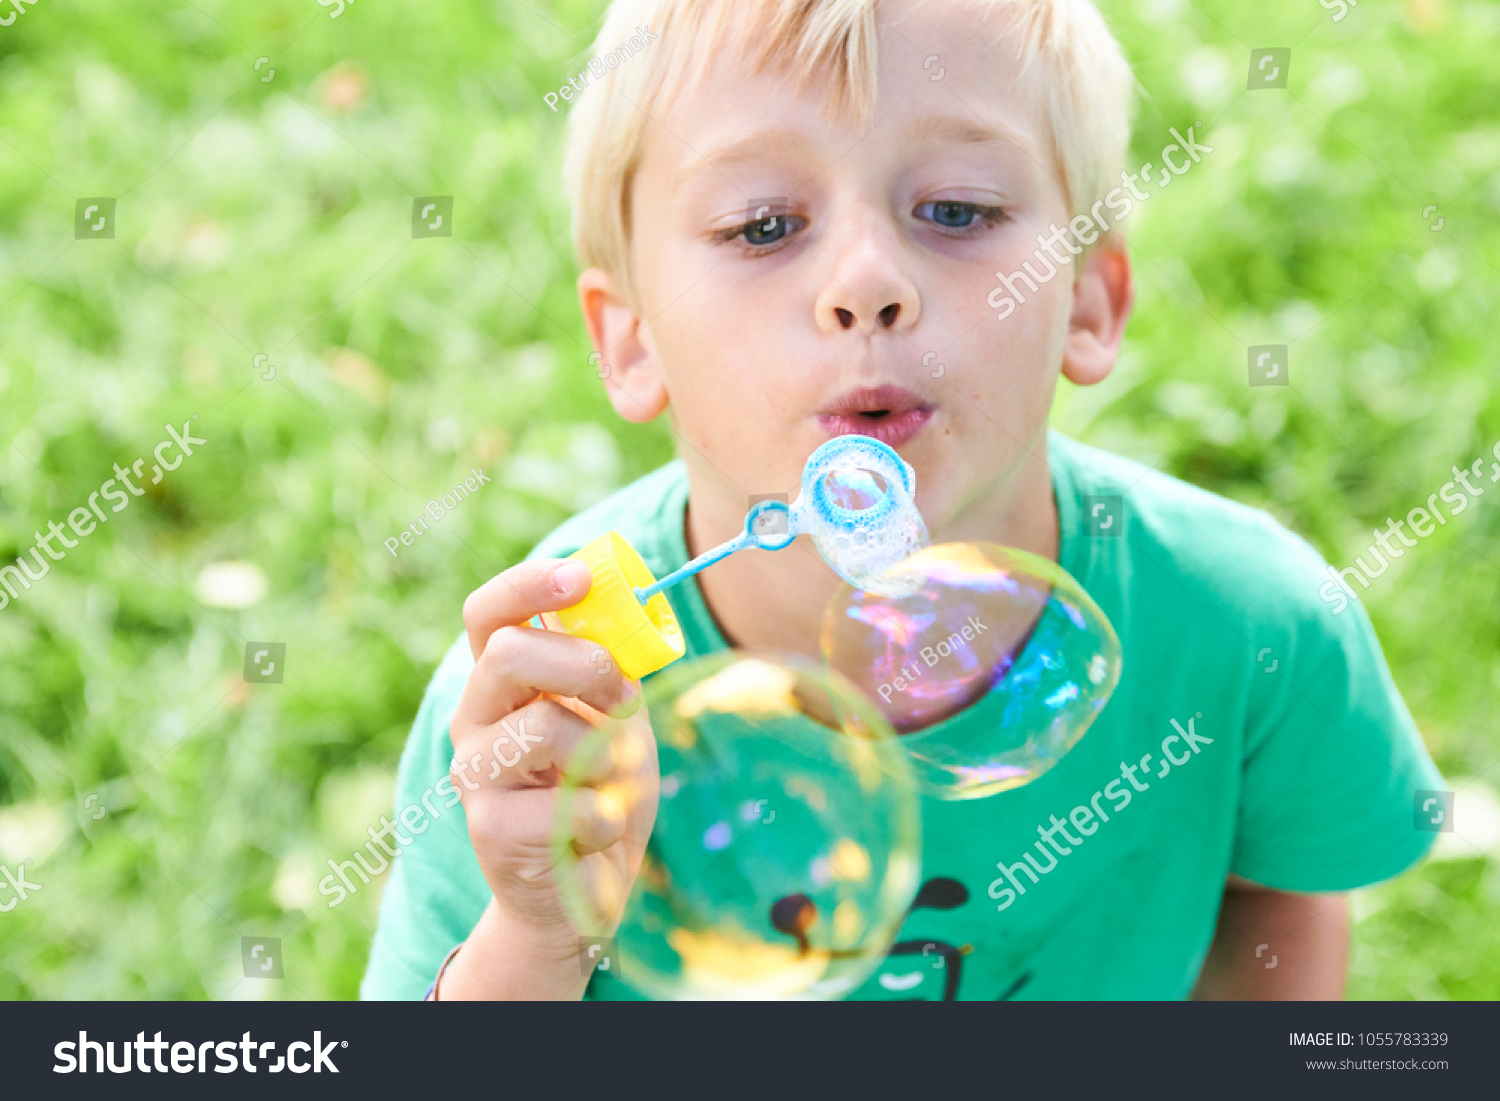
x: 570, y: 575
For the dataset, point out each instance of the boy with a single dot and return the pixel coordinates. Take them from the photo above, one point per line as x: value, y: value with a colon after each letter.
x: 782, y: 209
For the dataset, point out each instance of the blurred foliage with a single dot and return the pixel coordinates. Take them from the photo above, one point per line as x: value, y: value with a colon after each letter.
x: 273, y: 217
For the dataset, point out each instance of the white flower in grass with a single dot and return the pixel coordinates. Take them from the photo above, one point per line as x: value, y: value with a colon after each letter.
x: 230, y: 585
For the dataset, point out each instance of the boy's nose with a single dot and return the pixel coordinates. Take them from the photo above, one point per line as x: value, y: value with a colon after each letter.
x: 866, y: 287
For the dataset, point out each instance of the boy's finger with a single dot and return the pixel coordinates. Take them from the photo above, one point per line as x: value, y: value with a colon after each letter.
x: 519, y: 593
x: 521, y: 824
x: 597, y: 821
x: 535, y: 747
x: 518, y: 663
x: 515, y: 826
x: 604, y: 885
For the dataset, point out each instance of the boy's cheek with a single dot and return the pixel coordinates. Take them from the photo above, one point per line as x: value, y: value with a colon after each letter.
x: 1023, y: 342
x: 740, y: 360
x: 736, y: 419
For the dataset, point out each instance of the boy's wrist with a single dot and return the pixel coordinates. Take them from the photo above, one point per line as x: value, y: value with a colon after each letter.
x: 508, y: 959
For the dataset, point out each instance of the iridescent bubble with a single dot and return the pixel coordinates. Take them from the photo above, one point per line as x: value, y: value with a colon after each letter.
x: 786, y: 848
x: 992, y: 664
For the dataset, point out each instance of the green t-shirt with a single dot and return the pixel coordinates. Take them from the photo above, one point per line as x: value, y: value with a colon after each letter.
x: 1280, y: 750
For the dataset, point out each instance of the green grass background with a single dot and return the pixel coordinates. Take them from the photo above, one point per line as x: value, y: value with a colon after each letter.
x: 274, y: 217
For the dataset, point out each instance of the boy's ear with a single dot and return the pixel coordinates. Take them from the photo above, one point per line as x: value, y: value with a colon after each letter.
x: 1102, y: 296
x: 627, y: 361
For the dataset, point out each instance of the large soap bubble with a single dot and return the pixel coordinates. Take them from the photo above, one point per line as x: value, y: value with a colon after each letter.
x: 786, y: 848
x: 990, y: 661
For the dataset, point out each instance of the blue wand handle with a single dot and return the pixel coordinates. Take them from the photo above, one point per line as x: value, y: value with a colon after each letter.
x: 758, y: 533
x: 702, y: 562
x: 773, y: 525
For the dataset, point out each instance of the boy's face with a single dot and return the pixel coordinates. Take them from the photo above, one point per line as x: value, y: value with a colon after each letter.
x: 858, y: 300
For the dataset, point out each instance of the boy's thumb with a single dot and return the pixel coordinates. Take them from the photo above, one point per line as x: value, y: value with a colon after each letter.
x: 571, y: 576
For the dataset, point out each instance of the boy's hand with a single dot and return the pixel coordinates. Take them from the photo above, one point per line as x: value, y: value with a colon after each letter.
x: 512, y: 748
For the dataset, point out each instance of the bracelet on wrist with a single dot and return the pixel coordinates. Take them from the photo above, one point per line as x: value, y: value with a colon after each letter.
x: 432, y: 991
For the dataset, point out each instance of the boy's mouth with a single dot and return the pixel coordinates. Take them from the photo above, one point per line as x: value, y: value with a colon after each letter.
x: 890, y: 414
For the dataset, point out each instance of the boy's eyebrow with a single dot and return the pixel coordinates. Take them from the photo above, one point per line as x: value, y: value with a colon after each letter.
x: 759, y: 144
x: 964, y: 130
x: 754, y: 146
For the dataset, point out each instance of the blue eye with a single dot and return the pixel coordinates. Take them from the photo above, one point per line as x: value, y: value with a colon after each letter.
x: 767, y: 231
x: 950, y: 214
x: 763, y: 236
x: 954, y: 215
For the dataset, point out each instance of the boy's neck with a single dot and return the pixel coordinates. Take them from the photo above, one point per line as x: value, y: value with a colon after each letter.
x: 775, y: 600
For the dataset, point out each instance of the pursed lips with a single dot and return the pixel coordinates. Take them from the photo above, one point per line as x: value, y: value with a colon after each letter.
x: 890, y: 414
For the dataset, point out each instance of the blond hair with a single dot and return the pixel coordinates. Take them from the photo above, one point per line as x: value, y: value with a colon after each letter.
x: 1087, y: 87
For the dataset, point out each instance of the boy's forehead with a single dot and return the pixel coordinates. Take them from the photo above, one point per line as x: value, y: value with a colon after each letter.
x: 948, y: 79
x: 726, y: 145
